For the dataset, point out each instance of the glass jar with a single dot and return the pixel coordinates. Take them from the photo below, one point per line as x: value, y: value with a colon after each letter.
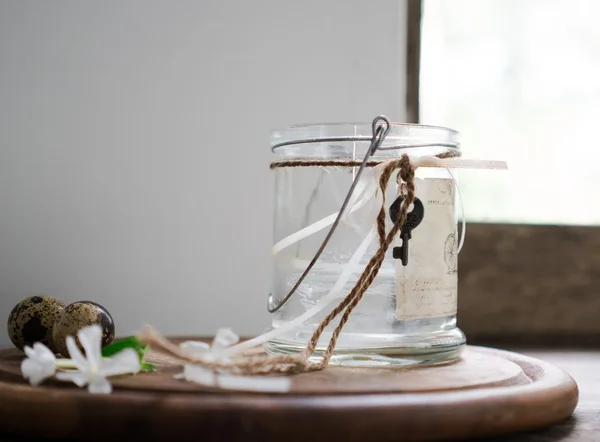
x: 408, y: 314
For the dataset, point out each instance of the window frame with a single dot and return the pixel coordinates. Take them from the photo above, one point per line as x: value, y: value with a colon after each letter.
x: 519, y: 284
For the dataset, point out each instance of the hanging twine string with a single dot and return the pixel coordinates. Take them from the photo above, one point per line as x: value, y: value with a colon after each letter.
x: 407, y: 175
x: 266, y: 364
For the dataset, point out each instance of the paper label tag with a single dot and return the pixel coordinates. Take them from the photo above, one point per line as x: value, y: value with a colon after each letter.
x: 427, y: 286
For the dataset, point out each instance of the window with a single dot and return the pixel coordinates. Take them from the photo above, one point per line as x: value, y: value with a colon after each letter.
x: 520, y: 79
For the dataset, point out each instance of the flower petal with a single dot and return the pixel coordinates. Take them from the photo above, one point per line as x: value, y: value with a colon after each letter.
x: 37, y: 368
x: 76, y: 377
x: 30, y: 352
x: 255, y: 383
x: 225, y: 337
x: 125, y: 362
x: 195, y: 348
x: 42, y: 352
x: 33, y: 372
x: 29, y: 367
x: 35, y: 380
x: 76, y: 354
x: 198, y: 374
x: 91, y: 341
x: 99, y: 385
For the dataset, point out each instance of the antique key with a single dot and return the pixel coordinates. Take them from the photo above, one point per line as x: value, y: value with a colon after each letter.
x: 413, y: 219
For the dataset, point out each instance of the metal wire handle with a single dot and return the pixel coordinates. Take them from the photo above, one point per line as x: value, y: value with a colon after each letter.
x: 381, y: 127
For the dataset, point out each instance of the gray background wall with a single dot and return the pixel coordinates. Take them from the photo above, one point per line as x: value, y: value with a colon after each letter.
x: 134, y: 144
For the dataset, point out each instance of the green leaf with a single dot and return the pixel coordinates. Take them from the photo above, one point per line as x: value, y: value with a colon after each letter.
x: 147, y: 367
x: 129, y: 342
x: 122, y: 344
x: 141, y: 351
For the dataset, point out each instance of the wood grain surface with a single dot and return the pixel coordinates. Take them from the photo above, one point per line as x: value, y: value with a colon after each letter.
x: 474, y: 370
x: 533, y: 394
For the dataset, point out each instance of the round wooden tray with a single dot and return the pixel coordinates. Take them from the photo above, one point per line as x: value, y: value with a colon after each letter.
x: 487, y: 393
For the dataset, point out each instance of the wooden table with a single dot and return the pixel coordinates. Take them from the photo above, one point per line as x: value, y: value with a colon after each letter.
x: 584, y: 426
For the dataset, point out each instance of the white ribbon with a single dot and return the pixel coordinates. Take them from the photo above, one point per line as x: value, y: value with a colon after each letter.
x: 363, y: 189
x: 458, y: 163
x: 321, y: 304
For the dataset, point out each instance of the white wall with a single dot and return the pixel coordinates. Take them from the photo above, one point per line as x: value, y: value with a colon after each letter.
x: 134, y: 144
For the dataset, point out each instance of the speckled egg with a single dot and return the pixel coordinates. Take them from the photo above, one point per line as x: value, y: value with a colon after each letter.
x: 32, y: 320
x: 78, y: 315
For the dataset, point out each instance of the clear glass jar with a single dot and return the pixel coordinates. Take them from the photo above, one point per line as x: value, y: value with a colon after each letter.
x: 306, y: 200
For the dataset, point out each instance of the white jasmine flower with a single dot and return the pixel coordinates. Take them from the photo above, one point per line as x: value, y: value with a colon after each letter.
x: 198, y: 374
x: 195, y: 348
x: 39, y: 365
x: 92, y: 369
x: 207, y: 377
x: 224, y: 338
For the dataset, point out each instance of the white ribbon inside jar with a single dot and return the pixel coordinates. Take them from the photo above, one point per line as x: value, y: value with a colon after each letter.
x: 365, y: 191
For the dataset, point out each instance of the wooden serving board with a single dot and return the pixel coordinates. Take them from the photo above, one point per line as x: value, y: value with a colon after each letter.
x: 488, y: 392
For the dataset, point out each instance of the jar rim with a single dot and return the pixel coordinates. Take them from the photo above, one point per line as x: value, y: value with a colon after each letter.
x: 401, y: 135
